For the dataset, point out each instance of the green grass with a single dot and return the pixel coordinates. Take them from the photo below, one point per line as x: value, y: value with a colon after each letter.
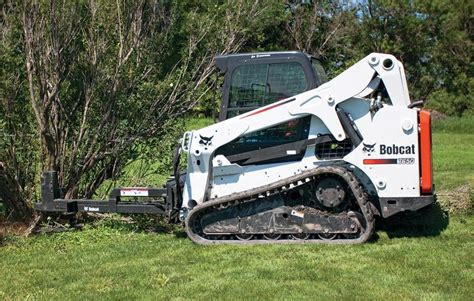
x: 453, y: 152
x: 456, y: 125
x: 426, y: 255
x: 113, y: 263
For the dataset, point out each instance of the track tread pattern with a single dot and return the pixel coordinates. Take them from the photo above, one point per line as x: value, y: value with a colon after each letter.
x: 252, y: 195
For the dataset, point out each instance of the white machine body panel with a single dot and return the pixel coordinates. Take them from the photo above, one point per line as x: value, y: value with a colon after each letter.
x: 390, y: 134
x: 389, y: 155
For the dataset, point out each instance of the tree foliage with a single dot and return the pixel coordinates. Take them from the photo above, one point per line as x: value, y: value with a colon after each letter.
x: 433, y: 39
x: 89, y: 86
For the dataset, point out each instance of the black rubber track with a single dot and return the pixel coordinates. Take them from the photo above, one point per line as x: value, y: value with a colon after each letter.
x: 192, y: 223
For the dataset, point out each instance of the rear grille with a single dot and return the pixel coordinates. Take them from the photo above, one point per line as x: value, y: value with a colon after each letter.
x: 333, y: 150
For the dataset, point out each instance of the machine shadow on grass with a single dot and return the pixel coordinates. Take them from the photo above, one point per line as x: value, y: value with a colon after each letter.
x: 429, y: 221
x: 181, y: 233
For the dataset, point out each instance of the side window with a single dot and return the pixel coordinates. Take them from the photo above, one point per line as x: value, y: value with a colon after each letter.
x: 254, y: 86
x: 285, y: 80
x: 283, y: 133
x: 247, y: 87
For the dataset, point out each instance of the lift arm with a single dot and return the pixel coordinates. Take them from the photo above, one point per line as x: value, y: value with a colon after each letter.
x: 320, y: 102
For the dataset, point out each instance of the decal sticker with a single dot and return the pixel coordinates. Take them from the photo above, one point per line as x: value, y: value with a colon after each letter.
x: 91, y: 209
x: 259, y: 56
x: 379, y: 161
x: 206, y: 141
x: 397, y: 150
x: 401, y: 161
x: 404, y: 161
x: 368, y: 148
x: 297, y: 213
x: 133, y: 192
x: 389, y: 149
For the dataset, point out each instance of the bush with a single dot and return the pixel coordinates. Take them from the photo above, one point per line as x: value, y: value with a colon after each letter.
x: 451, y: 104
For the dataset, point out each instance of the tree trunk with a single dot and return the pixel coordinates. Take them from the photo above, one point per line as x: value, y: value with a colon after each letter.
x: 12, y: 196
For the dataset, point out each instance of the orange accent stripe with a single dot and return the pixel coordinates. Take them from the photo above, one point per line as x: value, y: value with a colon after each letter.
x: 425, y: 152
x: 379, y: 161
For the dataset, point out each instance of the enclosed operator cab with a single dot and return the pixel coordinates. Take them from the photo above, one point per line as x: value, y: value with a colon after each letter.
x: 254, y: 80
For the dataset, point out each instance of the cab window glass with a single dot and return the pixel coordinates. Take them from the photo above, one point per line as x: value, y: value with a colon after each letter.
x: 247, y: 87
x: 284, y: 80
x: 320, y: 73
x: 254, y: 86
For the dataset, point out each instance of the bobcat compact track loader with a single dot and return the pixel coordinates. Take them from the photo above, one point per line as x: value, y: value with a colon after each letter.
x: 294, y: 159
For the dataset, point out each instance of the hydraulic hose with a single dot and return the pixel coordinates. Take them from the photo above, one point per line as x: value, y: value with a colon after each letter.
x: 176, y: 173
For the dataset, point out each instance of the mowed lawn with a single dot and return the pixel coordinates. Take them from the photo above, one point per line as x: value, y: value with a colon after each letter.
x: 453, y: 152
x: 427, y: 255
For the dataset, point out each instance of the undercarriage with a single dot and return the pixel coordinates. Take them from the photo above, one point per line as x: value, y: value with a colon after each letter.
x: 325, y: 205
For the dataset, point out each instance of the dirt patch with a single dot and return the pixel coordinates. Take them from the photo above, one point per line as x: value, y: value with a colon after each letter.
x: 16, y: 228
x: 458, y: 200
x: 8, y: 228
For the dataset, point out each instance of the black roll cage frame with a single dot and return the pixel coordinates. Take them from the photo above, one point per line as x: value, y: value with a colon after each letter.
x: 226, y: 64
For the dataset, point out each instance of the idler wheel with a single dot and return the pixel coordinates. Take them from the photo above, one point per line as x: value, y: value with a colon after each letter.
x: 271, y: 236
x: 244, y: 236
x: 300, y: 236
x: 330, y: 192
x: 327, y: 236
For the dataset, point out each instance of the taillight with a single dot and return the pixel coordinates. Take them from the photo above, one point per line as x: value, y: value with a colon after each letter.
x: 426, y: 180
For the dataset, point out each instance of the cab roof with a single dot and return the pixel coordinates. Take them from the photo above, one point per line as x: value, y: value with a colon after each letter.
x: 223, y: 61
